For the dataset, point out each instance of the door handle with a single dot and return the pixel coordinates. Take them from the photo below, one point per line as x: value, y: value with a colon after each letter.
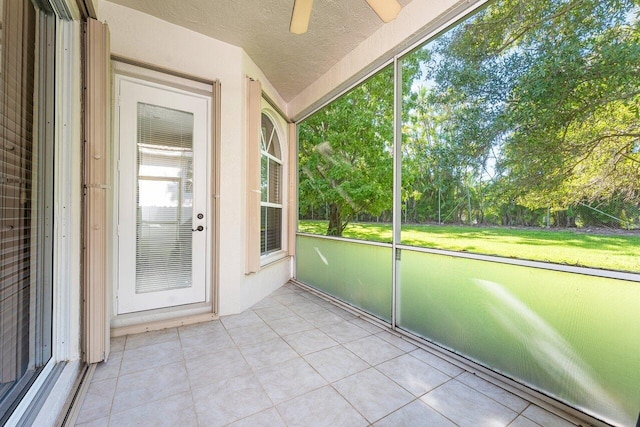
x: 198, y: 228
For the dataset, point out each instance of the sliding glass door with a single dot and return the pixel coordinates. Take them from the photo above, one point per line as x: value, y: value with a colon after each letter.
x: 26, y: 196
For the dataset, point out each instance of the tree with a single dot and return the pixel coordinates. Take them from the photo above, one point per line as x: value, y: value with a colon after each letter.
x: 346, y: 152
x: 524, y: 110
x: 553, y: 87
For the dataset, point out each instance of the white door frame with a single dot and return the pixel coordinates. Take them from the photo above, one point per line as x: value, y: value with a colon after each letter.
x: 127, y: 301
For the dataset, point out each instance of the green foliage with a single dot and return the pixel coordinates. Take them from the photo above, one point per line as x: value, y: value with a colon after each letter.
x: 526, y: 114
x: 533, y: 103
x: 345, y: 154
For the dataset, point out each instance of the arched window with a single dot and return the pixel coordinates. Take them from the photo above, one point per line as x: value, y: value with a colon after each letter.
x: 271, y: 188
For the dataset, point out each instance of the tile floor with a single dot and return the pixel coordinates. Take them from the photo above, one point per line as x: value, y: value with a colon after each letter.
x: 293, y: 359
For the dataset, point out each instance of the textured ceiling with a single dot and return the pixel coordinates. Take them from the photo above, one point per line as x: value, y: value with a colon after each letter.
x: 261, y: 27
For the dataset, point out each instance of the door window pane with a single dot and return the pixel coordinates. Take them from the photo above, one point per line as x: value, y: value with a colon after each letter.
x: 164, y: 207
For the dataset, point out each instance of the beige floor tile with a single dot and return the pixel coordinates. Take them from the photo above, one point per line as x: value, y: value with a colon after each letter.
x: 151, y: 338
x: 252, y: 334
x: 399, y: 342
x: 498, y: 394
x: 150, y: 356
x: 216, y: 367
x: 320, y: 408
x: 373, y: 350
x: 274, y: 313
x: 246, y: 318
x: 289, y: 298
x: 234, y: 370
x: 211, y: 326
x: 466, y: 407
x: 223, y: 402
x: 310, y: 341
x: 267, y: 353
x: 523, y: 422
x: 289, y: 379
x: 266, y: 302
x: 415, y: 376
x: 344, y: 331
x: 365, y: 324
x: 318, y: 300
x: 205, y: 343
x: 415, y: 414
x: 110, y: 368
x: 336, y: 363
x: 148, y: 386
x: 374, y: 395
x: 117, y: 344
x: 100, y: 422
x: 292, y: 286
x: 346, y: 315
x: 321, y: 318
x: 290, y: 325
x: 545, y: 418
x: 172, y: 411
x: 305, y: 307
x: 438, y: 363
x: 267, y: 418
x: 97, y: 402
x: 284, y: 290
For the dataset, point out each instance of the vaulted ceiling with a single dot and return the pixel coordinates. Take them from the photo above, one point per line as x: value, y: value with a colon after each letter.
x: 261, y: 27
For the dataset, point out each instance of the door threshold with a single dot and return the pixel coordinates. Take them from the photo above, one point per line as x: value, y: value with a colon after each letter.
x: 162, y: 324
x: 157, y: 314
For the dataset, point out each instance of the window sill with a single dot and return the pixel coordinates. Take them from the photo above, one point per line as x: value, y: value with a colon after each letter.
x: 271, y: 258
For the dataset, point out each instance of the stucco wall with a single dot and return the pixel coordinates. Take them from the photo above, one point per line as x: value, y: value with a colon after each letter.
x: 151, y: 40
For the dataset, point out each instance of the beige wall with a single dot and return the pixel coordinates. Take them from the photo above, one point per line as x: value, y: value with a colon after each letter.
x: 151, y: 40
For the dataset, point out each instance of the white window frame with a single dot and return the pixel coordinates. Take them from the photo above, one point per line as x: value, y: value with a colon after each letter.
x: 278, y: 254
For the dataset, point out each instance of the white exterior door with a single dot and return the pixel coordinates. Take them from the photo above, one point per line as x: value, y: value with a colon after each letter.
x: 163, y: 136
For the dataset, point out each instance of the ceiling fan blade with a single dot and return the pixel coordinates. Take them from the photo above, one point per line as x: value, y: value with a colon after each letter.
x: 300, y: 16
x: 387, y: 10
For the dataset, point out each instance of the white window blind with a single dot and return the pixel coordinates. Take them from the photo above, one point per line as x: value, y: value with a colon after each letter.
x: 164, y: 199
x: 271, y: 188
x: 26, y: 191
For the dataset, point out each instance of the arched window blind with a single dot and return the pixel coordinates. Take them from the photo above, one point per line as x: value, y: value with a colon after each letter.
x: 271, y: 188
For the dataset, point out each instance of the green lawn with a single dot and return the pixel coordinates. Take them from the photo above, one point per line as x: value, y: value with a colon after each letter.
x: 611, y: 252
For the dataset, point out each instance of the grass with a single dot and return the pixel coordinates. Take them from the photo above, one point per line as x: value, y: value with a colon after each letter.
x: 605, y: 251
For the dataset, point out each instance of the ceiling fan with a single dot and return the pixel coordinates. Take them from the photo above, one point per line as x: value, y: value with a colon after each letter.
x: 387, y: 10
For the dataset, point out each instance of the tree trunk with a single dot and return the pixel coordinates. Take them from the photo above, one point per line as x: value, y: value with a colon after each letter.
x: 335, y: 221
x: 564, y: 219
